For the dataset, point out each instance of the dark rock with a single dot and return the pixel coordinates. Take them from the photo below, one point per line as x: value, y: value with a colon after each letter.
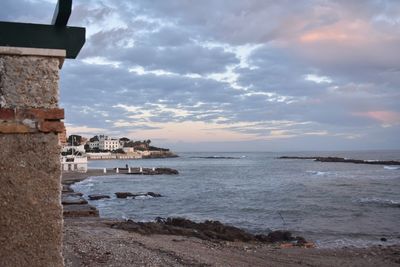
x: 73, y: 200
x: 383, y: 239
x: 128, y: 194
x: 280, y: 236
x: 166, y: 171
x: 66, y: 188
x: 80, y: 211
x: 208, y: 230
x: 151, y: 171
x: 152, y: 194
x: 125, y: 194
x: 72, y: 194
x: 344, y: 160
x: 97, y: 196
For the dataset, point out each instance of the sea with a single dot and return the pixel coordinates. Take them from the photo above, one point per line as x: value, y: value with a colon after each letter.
x: 331, y: 204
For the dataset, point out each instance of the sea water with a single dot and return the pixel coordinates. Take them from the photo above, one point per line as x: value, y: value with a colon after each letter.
x: 333, y: 204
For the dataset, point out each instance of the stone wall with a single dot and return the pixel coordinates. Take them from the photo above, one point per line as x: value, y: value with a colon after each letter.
x: 30, y: 205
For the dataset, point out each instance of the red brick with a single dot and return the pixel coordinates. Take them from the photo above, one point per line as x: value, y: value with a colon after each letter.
x: 51, y: 126
x: 43, y: 114
x: 7, y: 114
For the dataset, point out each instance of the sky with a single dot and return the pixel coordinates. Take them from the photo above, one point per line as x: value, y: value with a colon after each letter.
x: 232, y: 75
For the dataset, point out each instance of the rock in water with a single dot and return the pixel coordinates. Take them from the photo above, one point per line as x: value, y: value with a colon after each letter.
x: 152, y: 194
x: 72, y: 200
x: 97, y: 196
x: 125, y: 194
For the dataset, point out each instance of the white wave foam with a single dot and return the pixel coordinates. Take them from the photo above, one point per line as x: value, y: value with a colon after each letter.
x: 380, y: 201
x: 319, y: 173
x: 143, y: 197
x: 391, y: 167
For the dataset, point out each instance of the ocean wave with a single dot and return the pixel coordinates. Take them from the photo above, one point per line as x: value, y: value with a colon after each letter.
x: 391, y: 167
x: 143, y: 197
x: 320, y: 173
x: 383, y: 202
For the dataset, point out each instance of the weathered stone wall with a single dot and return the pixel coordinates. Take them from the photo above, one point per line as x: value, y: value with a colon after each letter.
x: 30, y: 206
x: 28, y: 81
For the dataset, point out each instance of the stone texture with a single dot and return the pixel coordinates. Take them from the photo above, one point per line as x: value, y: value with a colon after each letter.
x: 30, y: 208
x: 30, y: 172
x: 33, y: 80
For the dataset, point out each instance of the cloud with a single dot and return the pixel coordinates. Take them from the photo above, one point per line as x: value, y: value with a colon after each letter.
x: 271, y: 75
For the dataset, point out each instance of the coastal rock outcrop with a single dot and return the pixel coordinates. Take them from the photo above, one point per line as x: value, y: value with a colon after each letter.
x: 151, y: 171
x: 345, y: 160
x: 80, y: 210
x: 73, y: 200
x: 134, y: 195
x: 207, y: 230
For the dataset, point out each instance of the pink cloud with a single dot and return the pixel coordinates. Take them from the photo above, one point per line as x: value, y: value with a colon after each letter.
x: 388, y: 118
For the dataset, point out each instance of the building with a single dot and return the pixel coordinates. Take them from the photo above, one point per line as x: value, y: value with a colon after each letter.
x: 107, y: 143
x: 128, y: 149
x: 73, y: 163
x: 93, y: 145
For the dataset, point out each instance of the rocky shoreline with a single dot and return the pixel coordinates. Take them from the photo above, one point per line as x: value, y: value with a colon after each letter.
x: 209, y: 230
x: 345, y: 160
x: 93, y: 241
x: 75, y: 205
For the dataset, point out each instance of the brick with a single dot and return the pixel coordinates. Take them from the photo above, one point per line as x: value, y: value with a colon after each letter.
x: 51, y: 126
x: 48, y: 114
x: 7, y: 114
x: 41, y: 114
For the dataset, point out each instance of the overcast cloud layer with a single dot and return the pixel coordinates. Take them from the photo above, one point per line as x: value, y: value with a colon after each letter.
x: 233, y: 75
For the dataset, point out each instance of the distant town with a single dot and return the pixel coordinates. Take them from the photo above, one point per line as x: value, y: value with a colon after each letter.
x: 105, y: 147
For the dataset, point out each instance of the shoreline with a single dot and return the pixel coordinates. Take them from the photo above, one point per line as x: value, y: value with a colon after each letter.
x: 90, y: 241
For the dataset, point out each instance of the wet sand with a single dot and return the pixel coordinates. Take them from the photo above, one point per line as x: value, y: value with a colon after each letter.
x: 91, y: 241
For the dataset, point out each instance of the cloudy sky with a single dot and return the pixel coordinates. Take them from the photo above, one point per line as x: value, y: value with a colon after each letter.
x: 232, y: 75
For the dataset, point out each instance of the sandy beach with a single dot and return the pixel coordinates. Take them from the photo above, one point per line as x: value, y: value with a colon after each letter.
x: 90, y: 241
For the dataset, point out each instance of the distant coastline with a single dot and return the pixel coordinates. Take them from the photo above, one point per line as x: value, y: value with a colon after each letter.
x: 346, y: 160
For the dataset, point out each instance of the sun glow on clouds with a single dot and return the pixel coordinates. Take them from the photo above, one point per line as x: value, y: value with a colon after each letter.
x: 73, y: 129
x: 219, y: 129
x: 387, y: 118
x: 345, y: 31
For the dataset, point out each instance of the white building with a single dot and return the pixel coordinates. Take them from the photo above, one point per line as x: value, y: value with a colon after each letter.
x: 74, y: 163
x: 107, y: 143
